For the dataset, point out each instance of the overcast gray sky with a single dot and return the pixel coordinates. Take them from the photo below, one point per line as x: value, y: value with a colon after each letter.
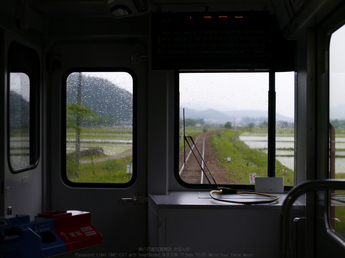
x: 337, y: 68
x: 20, y: 83
x: 121, y: 79
x: 236, y: 91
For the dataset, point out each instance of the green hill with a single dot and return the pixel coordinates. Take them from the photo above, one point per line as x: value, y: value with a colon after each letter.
x: 111, y: 104
x: 19, y: 111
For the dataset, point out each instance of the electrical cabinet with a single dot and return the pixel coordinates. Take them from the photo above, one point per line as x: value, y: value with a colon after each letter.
x: 191, y: 224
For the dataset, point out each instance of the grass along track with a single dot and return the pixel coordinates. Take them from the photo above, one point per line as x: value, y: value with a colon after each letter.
x: 225, y: 144
x: 244, y: 160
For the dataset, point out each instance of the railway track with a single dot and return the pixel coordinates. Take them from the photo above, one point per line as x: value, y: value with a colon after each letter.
x: 198, y: 164
x: 191, y: 171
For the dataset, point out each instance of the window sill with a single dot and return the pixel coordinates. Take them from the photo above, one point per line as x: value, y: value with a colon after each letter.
x: 203, y: 199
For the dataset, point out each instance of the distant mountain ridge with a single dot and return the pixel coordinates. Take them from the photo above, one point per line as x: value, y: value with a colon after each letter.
x: 246, y: 116
x: 209, y: 114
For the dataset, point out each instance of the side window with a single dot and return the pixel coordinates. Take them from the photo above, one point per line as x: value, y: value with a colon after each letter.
x: 23, y: 108
x: 99, y: 128
x: 285, y: 126
x: 224, y: 127
x: 19, y: 120
x: 337, y: 127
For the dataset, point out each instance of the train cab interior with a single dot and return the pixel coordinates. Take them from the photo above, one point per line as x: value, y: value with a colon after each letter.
x: 169, y: 128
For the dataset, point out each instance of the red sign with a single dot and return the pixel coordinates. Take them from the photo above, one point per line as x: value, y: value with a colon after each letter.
x: 252, y: 178
x: 75, y: 229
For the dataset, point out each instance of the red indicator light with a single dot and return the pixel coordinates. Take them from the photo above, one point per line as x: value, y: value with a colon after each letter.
x: 190, y: 17
x: 239, y: 17
x: 207, y: 17
x: 223, y: 17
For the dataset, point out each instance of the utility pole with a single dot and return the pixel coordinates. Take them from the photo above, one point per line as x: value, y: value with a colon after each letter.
x: 77, y: 142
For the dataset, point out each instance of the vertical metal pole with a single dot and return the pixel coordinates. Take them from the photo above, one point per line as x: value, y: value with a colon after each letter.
x: 77, y: 142
x: 332, y: 171
x: 271, y: 124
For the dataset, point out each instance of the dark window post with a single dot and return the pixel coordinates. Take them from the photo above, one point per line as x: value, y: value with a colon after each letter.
x: 271, y: 124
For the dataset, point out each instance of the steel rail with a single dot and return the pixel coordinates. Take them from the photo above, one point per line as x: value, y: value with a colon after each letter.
x: 196, y: 156
x: 190, y: 152
x: 202, y: 160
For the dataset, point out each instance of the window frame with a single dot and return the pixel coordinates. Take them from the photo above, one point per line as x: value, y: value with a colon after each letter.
x: 271, y: 115
x: 22, y: 59
x: 329, y: 209
x: 64, y: 131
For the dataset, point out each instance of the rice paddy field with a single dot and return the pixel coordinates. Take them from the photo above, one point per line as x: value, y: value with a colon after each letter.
x: 114, y: 162
x: 112, y: 140
x: 338, y: 202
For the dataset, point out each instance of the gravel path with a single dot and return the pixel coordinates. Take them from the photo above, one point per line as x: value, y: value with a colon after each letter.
x: 117, y: 156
